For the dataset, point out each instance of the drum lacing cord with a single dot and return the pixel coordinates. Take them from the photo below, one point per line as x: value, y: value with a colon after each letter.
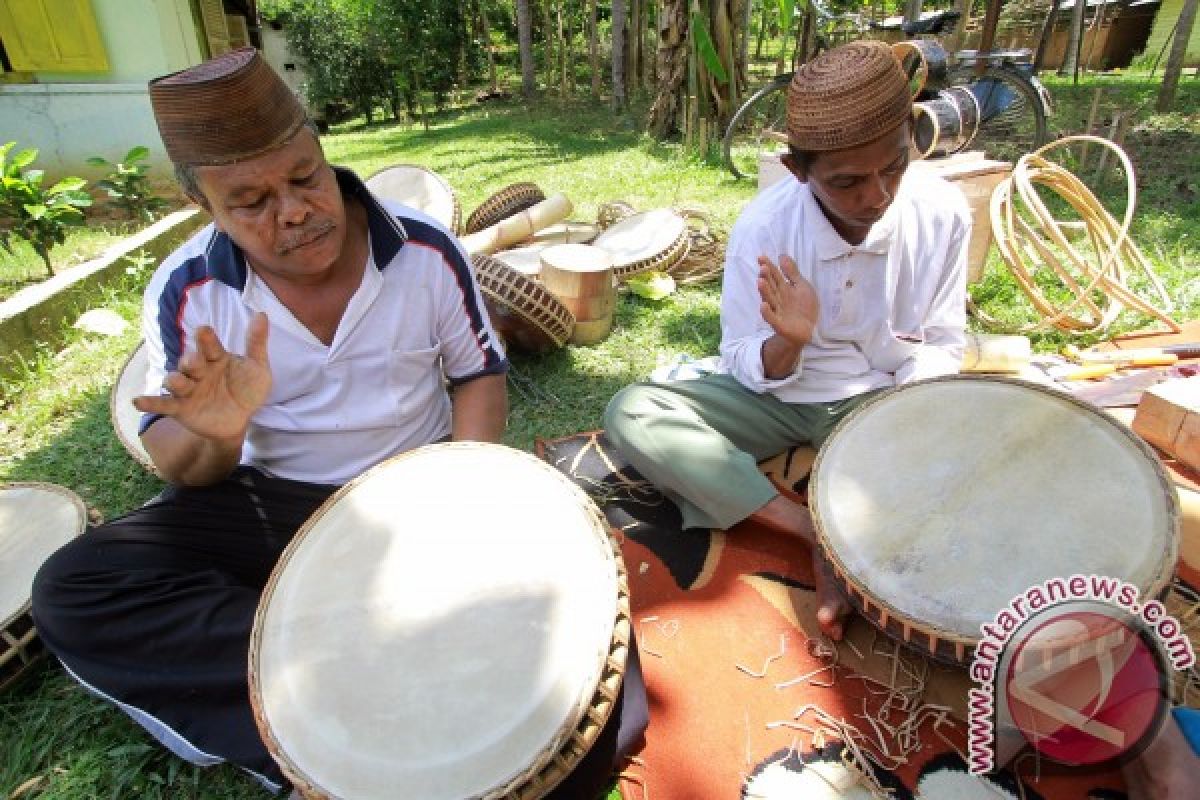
x: 1025, y: 235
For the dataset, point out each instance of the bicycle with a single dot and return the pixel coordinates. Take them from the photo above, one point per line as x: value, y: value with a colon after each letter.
x: 1014, y: 107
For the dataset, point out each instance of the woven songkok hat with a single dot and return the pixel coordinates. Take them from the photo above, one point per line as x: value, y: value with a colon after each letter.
x: 229, y: 109
x: 846, y: 97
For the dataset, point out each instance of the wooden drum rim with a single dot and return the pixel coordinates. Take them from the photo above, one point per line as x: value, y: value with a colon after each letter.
x: 82, y: 515
x: 558, y: 757
x: 945, y: 645
x: 548, y: 315
x: 135, y: 449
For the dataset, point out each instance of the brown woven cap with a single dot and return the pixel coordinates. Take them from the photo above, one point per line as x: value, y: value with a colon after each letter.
x: 846, y: 97
x: 229, y: 109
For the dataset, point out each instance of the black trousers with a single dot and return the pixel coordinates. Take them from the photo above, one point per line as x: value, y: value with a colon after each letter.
x: 153, y: 611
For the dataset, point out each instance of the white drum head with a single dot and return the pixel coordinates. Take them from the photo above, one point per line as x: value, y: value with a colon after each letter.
x: 643, y: 236
x: 35, y: 520
x: 125, y: 418
x: 945, y: 499
x: 436, y: 626
x: 527, y: 260
x: 566, y: 233
x: 418, y: 188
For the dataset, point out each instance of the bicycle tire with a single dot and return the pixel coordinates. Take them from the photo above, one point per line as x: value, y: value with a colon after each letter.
x: 763, y: 111
x: 1009, y: 126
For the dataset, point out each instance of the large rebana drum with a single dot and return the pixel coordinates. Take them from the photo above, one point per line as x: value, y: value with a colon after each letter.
x: 35, y: 520
x: 125, y: 418
x: 651, y: 240
x: 452, y: 624
x: 939, y: 502
x: 419, y: 188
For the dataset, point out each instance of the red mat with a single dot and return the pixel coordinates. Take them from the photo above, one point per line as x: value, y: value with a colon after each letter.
x: 725, y: 626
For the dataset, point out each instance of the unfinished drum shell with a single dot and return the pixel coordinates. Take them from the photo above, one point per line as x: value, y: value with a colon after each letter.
x: 523, y: 311
x: 422, y: 189
x: 510, y: 200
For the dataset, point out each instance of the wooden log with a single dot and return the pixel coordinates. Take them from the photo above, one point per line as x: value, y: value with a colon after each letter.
x: 581, y: 277
x: 519, y: 226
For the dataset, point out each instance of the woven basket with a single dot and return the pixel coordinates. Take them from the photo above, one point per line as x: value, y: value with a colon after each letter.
x: 503, y: 204
x: 522, y: 310
x: 611, y: 213
x: 705, y: 258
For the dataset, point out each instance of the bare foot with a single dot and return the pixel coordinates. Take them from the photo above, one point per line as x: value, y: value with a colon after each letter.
x: 832, y: 606
x: 1167, y: 770
x: 791, y: 519
x: 783, y: 516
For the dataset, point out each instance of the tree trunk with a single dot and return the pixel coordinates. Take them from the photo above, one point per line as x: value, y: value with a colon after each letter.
x: 548, y: 35
x: 593, y: 48
x: 963, y: 7
x: 763, y: 21
x: 1183, y: 35
x: 1074, y: 42
x: 633, y: 48
x: 618, y: 54
x: 672, y: 67
x: 564, y: 50
x: 743, y: 75
x: 485, y: 32
x: 1039, y: 57
x: 525, y: 46
x: 912, y: 10
x: 723, y: 26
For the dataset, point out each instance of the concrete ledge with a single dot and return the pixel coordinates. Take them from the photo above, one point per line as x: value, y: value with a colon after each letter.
x: 41, y: 315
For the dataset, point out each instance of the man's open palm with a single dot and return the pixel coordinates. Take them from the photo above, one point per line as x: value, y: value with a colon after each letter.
x: 789, y: 302
x: 214, y: 392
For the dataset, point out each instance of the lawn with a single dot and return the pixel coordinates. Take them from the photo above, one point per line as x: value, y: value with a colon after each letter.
x: 22, y: 267
x: 54, y: 423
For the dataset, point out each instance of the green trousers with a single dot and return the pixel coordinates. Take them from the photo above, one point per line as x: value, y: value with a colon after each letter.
x: 700, y: 441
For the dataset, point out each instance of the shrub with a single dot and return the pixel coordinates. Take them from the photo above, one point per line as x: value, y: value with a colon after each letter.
x: 128, y: 185
x: 32, y: 212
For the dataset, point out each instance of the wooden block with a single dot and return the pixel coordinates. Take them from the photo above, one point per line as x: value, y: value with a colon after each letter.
x: 1168, y: 417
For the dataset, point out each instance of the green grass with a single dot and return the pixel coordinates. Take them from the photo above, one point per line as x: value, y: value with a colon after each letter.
x: 23, y: 267
x: 54, y: 423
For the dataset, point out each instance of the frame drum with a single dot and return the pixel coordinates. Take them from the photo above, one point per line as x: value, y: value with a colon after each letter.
x: 419, y: 188
x: 35, y: 520
x: 452, y: 624
x: 651, y: 240
x: 125, y: 418
x: 939, y: 502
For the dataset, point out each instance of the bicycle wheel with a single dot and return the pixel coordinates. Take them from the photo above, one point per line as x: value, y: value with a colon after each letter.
x: 1012, y: 115
x: 759, y: 126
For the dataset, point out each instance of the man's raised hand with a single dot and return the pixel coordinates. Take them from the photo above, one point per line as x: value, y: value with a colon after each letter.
x: 789, y: 302
x: 213, y: 393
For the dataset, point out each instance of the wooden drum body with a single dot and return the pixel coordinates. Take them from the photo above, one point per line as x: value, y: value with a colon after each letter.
x: 582, y: 277
x: 125, y: 418
x: 35, y: 520
x: 939, y: 502
x: 452, y: 624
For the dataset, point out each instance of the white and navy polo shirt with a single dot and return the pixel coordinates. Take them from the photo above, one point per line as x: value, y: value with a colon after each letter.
x: 377, y: 389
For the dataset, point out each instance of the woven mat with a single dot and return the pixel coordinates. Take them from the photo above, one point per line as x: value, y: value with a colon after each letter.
x: 727, y: 633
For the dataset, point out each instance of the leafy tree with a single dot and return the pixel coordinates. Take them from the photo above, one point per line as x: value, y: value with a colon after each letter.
x: 30, y: 211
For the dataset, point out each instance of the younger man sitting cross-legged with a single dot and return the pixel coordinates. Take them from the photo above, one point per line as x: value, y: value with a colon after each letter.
x: 840, y: 283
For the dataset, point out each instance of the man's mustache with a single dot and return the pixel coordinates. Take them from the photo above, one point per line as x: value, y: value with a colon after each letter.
x: 305, y: 236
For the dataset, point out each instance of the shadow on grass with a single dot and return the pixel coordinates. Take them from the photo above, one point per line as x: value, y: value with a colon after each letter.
x: 87, y: 458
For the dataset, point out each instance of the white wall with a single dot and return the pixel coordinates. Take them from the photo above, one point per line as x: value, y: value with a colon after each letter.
x: 69, y: 117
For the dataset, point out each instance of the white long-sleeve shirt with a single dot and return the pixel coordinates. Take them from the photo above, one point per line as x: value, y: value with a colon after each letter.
x: 891, y: 309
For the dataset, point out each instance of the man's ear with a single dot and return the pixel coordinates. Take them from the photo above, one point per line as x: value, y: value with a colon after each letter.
x: 794, y: 167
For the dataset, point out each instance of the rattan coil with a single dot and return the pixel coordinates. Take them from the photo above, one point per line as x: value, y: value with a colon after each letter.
x: 503, y: 204
x: 547, y: 323
x: 705, y: 258
x: 611, y: 213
